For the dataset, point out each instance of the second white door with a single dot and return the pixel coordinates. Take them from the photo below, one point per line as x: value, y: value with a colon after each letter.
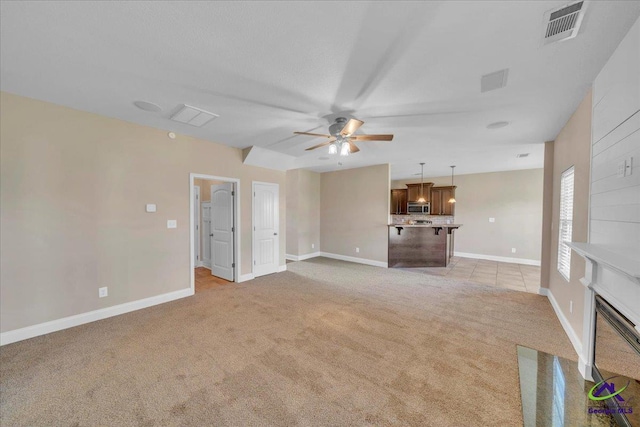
x: 266, y: 241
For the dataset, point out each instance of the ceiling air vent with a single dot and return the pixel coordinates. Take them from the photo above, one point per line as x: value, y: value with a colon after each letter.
x: 493, y: 81
x: 193, y: 116
x: 563, y: 23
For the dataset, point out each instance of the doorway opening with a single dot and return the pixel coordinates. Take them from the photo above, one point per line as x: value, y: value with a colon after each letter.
x: 215, y: 243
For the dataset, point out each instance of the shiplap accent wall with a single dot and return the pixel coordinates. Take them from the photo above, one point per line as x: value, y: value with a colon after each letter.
x: 615, y: 201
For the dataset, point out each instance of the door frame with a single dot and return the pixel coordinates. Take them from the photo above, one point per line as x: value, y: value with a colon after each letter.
x: 196, y: 243
x: 253, y: 221
x: 236, y: 224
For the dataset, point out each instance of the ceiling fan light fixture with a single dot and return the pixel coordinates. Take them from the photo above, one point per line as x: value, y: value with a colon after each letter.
x: 333, y: 148
x: 345, y: 149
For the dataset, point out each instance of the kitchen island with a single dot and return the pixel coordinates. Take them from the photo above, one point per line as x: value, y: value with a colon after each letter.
x: 421, y: 245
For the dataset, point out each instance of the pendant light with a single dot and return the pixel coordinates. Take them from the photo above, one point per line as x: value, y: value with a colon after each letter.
x: 452, y: 199
x: 422, y: 199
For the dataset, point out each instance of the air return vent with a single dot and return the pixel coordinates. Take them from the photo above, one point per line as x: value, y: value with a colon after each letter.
x: 563, y: 23
x: 193, y: 116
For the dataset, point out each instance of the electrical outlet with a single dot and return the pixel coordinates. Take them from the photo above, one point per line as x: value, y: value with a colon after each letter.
x: 103, y: 292
x: 492, y: 220
x: 357, y: 250
x: 313, y: 246
x: 172, y: 223
x: 513, y: 250
x: 570, y: 306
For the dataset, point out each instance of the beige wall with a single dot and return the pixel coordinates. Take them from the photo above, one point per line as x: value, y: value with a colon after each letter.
x: 354, y: 212
x: 303, y: 212
x: 513, y: 198
x: 571, y: 148
x: 73, y: 191
x: 547, y: 214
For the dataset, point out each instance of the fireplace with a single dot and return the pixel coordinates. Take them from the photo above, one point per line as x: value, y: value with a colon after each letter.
x: 610, y: 354
x: 616, y: 364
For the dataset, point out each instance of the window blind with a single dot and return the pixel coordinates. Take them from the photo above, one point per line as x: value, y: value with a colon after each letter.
x: 566, y: 222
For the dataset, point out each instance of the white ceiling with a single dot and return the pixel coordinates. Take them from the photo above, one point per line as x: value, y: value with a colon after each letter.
x: 271, y: 68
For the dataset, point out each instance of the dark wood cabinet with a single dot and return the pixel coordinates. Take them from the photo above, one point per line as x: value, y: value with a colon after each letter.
x: 413, y: 191
x: 399, y: 201
x: 440, y: 200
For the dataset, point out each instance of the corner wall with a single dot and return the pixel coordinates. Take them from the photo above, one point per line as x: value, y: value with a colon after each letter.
x: 73, y: 190
x: 303, y: 213
x: 354, y: 213
x: 572, y: 147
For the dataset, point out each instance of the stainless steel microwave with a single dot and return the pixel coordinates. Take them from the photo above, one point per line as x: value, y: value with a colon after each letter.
x: 415, y: 208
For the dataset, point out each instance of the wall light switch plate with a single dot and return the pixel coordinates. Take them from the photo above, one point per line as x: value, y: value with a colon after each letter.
x: 151, y: 207
x: 172, y: 223
x: 628, y: 166
x: 622, y: 167
x: 313, y: 246
x: 103, y: 292
x: 492, y: 220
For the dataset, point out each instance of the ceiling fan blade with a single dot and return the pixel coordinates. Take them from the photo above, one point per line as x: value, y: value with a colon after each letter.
x: 353, y: 147
x: 351, y: 126
x: 313, y: 134
x: 371, y: 137
x: 324, y: 144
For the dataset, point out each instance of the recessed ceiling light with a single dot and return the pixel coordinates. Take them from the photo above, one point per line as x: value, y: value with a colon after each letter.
x: 148, y: 106
x: 497, y: 125
x: 522, y: 155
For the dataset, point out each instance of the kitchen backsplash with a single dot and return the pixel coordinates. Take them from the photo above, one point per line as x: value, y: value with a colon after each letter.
x: 435, y: 219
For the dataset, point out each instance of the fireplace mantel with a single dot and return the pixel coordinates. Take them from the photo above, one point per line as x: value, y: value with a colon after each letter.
x: 617, y: 279
x: 606, y: 258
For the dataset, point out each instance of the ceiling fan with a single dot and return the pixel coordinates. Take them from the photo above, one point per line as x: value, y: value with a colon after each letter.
x: 341, y: 136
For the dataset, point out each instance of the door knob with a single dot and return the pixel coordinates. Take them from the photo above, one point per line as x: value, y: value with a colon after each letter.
x: 275, y: 234
x: 211, y: 235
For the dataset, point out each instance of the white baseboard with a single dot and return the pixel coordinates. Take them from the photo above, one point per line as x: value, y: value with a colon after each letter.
x: 245, y: 277
x: 282, y: 268
x: 543, y: 291
x: 302, y: 257
x: 354, y: 259
x: 91, y: 316
x: 573, y: 337
x: 524, y: 261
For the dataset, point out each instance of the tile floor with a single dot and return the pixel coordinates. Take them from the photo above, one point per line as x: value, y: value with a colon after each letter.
x: 517, y: 277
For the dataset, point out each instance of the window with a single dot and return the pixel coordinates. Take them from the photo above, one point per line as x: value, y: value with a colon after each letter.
x: 566, y: 222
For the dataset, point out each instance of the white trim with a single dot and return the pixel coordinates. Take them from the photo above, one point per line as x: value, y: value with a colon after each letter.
x: 236, y: 223
x: 571, y: 333
x: 198, y: 235
x: 302, y: 257
x: 524, y: 261
x: 543, y: 291
x: 282, y: 268
x: 246, y: 277
x: 91, y: 316
x: 354, y: 259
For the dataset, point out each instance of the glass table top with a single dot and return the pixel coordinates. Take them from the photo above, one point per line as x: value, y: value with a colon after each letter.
x: 555, y: 394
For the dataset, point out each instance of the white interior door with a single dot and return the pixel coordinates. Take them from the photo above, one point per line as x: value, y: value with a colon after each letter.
x: 206, y: 232
x: 266, y: 242
x: 222, y: 229
x: 196, y: 225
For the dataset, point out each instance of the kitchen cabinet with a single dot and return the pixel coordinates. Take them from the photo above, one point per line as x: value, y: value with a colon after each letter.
x: 399, y: 201
x: 440, y: 200
x: 413, y: 191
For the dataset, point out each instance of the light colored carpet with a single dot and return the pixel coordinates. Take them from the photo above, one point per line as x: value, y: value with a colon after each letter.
x: 325, y: 343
